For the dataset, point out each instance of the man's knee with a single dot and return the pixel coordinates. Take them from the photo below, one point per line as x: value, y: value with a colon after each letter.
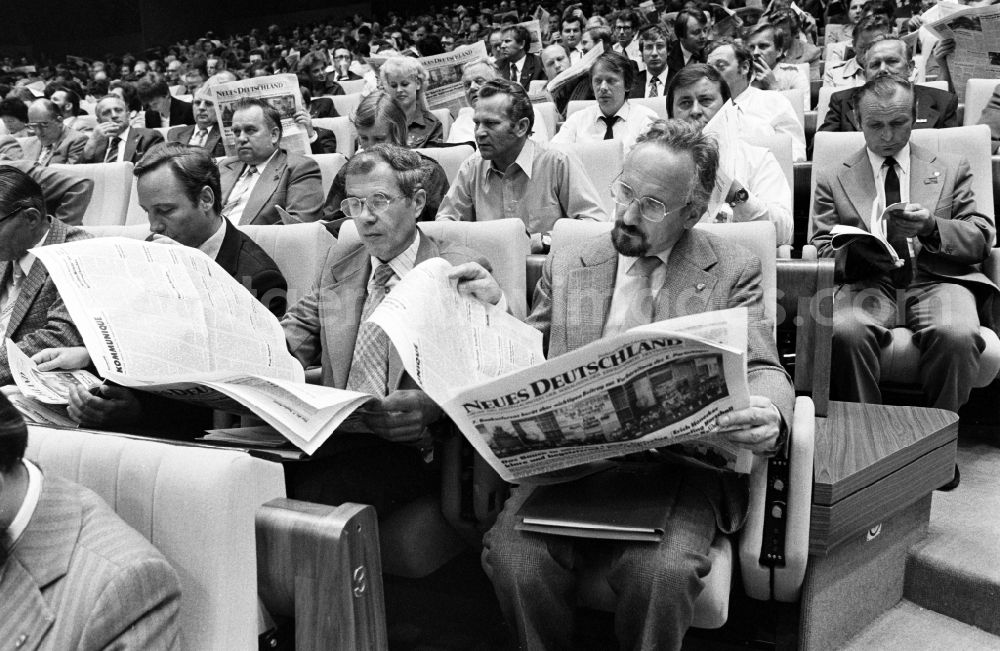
x: 852, y: 333
x: 513, y: 558
x: 958, y: 339
x: 674, y: 573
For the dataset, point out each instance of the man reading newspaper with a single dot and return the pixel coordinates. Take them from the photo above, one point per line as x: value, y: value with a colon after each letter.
x: 652, y: 267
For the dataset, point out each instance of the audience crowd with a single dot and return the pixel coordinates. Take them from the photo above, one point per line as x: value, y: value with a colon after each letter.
x: 704, y: 105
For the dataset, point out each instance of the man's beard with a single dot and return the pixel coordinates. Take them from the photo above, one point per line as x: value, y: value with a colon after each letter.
x: 624, y: 237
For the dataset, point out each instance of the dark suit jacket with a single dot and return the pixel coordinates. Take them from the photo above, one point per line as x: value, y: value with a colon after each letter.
x: 322, y: 327
x: 940, y: 183
x: 322, y: 107
x: 935, y: 109
x: 80, y: 578
x: 252, y: 267
x: 704, y: 273
x: 991, y: 117
x: 639, y: 86
x: 325, y: 143
x: 531, y: 70
x: 289, y: 180
x: 213, y: 145
x: 68, y: 149
x: 675, y: 60
x: 40, y: 319
x: 138, y: 143
x: 66, y: 196
x: 181, y: 112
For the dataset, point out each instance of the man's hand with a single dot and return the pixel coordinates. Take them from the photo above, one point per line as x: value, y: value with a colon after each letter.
x: 402, y: 417
x: 763, y: 73
x: 911, y: 221
x: 757, y: 427
x: 472, y: 279
x: 103, y: 405
x: 69, y: 359
x: 303, y: 120
x: 104, y: 131
x: 943, y: 49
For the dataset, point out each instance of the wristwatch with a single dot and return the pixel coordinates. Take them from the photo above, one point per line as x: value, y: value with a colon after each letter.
x: 740, y: 197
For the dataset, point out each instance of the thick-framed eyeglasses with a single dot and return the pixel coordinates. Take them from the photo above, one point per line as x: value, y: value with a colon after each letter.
x: 377, y: 204
x: 652, y: 210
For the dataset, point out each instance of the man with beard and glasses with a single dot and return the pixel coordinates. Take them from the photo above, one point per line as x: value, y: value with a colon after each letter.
x: 653, y: 258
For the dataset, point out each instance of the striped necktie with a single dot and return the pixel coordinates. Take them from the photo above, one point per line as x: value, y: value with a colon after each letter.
x: 111, y: 155
x: 370, y: 366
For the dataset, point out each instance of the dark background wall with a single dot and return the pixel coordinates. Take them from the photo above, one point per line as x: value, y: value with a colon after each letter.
x: 51, y: 30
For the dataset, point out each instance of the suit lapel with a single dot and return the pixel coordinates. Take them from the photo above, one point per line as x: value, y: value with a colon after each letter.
x: 131, y: 144
x: 345, y: 296
x: 926, y: 176
x: 35, y: 279
x: 852, y: 115
x: 857, y: 182
x: 213, y: 140
x: 927, y: 111
x: 31, y: 148
x: 264, y: 188
x: 688, y: 285
x: 589, y: 289
x: 230, y: 173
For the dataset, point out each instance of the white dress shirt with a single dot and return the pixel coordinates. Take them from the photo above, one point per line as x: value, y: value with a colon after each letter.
x: 626, y: 286
x: 766, y: 112
x: 588, y: 125
x: 213, y: 244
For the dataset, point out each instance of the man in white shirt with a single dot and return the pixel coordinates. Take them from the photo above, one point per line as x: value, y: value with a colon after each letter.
x: 653, y: 80
x: 755, y: 111
x: 626, y: 24
x: 613, y: 117
x: 572, y: 32
x: 767, y: 45
x: 113, y: 140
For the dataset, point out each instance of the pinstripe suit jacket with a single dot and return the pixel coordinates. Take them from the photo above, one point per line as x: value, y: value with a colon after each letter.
x: 39, y: 319
x: 79, y: 578
x: 704, y: 273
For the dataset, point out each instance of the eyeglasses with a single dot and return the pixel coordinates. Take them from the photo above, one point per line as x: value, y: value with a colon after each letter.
x: 652, y: 210
x: 377, y: 203
x: 40, y: 125
x: 11, y: 214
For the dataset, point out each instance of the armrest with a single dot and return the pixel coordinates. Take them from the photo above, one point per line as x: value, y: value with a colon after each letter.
x: 314, y: 375
x: 785, y: 252
x: 991, y: 266
x: 809, y: 252
x: 776, y: 571
x: 320, y: 564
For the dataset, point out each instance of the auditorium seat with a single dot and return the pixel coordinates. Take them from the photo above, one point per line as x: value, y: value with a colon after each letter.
x: 422, y: 536
x: 343, y: 130
x: 345, y: 104
x: 602, y: 160
x: 899, y: 361
x: 165, y: 130
x: 658, y: 104
x: 977, y: 95
x: 798, y: 98
x: 444, y: 115
x: 195, y: 504
x: 329, y: 165
x: 352, y: 86
x: 765, y: 581
x: 548, y: 113
x: 449, y: 158
x: 112, y: 188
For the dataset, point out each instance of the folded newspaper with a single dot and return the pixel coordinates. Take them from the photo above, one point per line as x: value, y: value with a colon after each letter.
x: 169, y: 320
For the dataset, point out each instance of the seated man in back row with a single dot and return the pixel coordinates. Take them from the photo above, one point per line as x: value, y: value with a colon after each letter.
x: 660, y: 196
x: 512, y: 177
x: 938, y: 236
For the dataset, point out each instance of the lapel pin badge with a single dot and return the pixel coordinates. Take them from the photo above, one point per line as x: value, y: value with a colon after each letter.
x: 700, y: 286
x: 933, y: 178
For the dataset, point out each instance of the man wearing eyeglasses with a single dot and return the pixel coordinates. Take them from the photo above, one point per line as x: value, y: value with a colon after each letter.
x: 32, y: 313
x: 384, y: 465
x: 652, y: 266
x: 53, y: 142
x: 625, y: 25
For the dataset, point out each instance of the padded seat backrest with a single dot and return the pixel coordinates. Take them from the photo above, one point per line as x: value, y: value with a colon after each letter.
x: 503, y: 242
x: 112, y: 188
x: 602, y: 160
x: 449, y: 158
x: 329, y: 165
x: 444, y: 115
x: 973, y: 143
x: 345, y: 104
x: 352, y: 86
x: 343, y: 131
x: 548, y: 114
x: 758, y: 237
x: 657, y: 104
x: 977, y: 96
x: 798, y: 97
x: 195, y: 504
x: 780, y: 145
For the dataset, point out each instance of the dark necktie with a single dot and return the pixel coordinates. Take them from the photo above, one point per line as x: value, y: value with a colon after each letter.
x: 370, y: 366
x: 609, y: 133
x: 111, y: 155
x: 513, y: 73
x: 653, y: 87
x: 902, y: 276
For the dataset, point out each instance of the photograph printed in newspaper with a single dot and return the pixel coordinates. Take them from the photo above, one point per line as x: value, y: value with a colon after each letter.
x: 444, y: 71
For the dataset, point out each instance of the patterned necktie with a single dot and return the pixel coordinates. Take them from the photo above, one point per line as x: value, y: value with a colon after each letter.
x: 609, y: 132
x: 642, y: 306
x: 11, y: 289
x: 902, y: 276
x: 111, y: 155
x: 200, y: 136
x: 654, y: 87
x: 45, y: 155
x: 370, y: 366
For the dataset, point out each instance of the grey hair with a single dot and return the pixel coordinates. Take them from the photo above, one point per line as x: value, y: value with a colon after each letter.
x: 406, y: 163
x: 680, y: 137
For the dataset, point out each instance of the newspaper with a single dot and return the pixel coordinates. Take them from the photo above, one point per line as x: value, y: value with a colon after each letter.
x: 976, y: 31
x: 49, y: 387
x: 280, y: 91
x: 444, y: 71
x: 37, y: 412
x: 658, y: 385
x: 576, y: 70
x: 535, y: 30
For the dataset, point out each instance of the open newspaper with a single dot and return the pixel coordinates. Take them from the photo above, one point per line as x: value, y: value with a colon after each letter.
x: 976, y: 31
x: 444, y: 71
x: 577, y: 70
x: 653, y: 386
x: 280, y: 91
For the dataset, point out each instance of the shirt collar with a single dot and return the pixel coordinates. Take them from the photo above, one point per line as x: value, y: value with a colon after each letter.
x: 31, y: 496
x: 625, y: 262
x: 260, y: 166
x: 902, y: 160
x: 524, y: 160
x: 852, y: 69
x: 213, y: 244
x: 403, y: 263
x: 622, y: 113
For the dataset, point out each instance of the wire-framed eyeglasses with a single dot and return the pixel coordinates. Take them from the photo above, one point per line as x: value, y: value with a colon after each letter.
x: 652, y: 210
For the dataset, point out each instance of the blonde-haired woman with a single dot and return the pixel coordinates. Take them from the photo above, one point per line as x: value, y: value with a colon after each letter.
x: 406, y: 80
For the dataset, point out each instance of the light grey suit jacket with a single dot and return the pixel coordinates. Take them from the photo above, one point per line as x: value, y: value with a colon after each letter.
x: 80, y: 578
x: 942, y: 184
x: 704, y: 273
x: 322, y: 327
x: 289, y: 180
x: 68, y: 149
